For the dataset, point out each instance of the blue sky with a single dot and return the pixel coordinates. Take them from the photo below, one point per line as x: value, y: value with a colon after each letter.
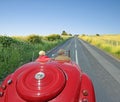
x: 24, y: 17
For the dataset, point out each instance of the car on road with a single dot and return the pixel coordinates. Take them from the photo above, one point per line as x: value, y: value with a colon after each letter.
x: 51, y: 81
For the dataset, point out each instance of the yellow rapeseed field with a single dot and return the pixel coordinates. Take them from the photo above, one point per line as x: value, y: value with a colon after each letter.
x: 108, y: 43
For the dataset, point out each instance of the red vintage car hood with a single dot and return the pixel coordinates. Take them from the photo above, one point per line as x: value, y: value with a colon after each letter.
x: 38, y: 82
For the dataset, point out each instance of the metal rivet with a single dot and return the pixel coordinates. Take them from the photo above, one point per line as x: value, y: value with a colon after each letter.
x: 85, y: 92
x: 41, y: 66
x: 84, y: 100
x: 1, y: 94
x: 9, y: 82
x: 3, y: 87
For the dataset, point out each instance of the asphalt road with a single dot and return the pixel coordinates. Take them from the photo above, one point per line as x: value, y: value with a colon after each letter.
x: 103, y: 69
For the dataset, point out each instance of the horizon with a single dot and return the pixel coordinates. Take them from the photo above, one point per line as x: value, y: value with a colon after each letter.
x: 47, y: 17
x: 59, y: 34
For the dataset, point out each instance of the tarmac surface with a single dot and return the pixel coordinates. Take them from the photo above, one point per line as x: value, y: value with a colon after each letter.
x: 102, y: 68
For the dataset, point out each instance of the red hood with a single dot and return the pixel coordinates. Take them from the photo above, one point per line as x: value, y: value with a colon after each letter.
x: 42, y: 59
x: 43, y: 82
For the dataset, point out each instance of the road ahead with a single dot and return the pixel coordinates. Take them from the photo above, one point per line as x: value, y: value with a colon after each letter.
x: 103, y: 69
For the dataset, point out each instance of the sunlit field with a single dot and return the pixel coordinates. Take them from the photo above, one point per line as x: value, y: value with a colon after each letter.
x: 18, y: 50
x: 108, y: 43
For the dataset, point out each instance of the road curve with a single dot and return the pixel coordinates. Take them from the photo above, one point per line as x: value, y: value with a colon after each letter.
x: 103, y: 69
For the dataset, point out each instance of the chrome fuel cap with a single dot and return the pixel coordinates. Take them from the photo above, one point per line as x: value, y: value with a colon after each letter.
x: 39, y: 75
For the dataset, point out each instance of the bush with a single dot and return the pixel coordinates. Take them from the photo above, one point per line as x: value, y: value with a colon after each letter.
x: 34, y: 39
x: 97, y: 34
x: 54, y: 37
x: 21, y: 52
x: 83, y: 35
x: 6, y: 41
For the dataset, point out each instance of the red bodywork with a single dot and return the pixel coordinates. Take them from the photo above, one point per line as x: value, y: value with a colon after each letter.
x: 53, y: 81
x: 43, y: 59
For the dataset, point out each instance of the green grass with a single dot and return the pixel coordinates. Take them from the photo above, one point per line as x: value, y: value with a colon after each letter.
x: 17, y: 54
x: 108, y: 43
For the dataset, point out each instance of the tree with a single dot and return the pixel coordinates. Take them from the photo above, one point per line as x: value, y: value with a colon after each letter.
x: 83, y: 35
x: 97, y: 34
x: 64, y: 32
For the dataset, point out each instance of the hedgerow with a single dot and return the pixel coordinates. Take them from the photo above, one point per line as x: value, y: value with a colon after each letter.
x: 16, y: 52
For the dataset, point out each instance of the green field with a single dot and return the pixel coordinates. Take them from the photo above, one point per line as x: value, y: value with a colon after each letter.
x: 108, y: 43
x: 18, y: 50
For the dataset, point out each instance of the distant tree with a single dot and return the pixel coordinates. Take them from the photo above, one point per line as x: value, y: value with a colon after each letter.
x: 83, y: 35
x: 70, y: 34
x: 64, y: 32
x: 97, y: 34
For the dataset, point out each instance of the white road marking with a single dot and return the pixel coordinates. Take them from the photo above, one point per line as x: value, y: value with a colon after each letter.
x: 114, y: 71
x: 75, y: 44
x: 76, y: 56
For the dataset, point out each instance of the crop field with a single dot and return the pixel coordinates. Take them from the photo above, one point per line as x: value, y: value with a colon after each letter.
x: 18, y: 50
x: 108, y: 43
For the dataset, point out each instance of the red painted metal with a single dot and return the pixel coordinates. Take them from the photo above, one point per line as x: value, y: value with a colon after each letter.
x: 53, y: 81
x: 43, y: 58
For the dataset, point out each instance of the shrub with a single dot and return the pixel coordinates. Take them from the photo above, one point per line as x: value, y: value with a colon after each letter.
x: 54, y: 37
x: 97, y: 34
x: 6, y: 41
x: 34, y: 39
